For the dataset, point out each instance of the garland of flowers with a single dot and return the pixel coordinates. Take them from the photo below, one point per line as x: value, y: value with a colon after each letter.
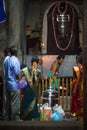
x: 54, y: 31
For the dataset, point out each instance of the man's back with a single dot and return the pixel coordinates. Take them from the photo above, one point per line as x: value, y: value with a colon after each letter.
x: 12, y: 68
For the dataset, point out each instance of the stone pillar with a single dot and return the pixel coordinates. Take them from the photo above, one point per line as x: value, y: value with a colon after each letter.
x: 85, y: 62
x: 16, y: 24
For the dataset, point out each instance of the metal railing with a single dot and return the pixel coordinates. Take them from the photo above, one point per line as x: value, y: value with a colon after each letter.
x: 64, y: 90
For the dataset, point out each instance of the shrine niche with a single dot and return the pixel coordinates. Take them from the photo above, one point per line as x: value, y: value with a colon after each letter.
x: 62, y: 29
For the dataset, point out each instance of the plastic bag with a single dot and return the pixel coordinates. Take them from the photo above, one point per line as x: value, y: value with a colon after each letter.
x: 45, y: 112
x: 56, y: 116
x: 59, y: 109
x: 22, y: 83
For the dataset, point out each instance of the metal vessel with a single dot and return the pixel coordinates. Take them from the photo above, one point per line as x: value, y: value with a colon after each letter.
x: 50, y: 96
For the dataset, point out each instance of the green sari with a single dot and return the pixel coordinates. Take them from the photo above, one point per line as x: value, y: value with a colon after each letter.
x: 29, y: 108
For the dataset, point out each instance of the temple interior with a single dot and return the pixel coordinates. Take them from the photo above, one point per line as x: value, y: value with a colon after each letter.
x: 46, y: 28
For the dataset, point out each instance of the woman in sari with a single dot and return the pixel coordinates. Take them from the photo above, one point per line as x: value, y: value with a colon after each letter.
x: 77, y: 91
x: 35, y: 74
x: 29, y: 108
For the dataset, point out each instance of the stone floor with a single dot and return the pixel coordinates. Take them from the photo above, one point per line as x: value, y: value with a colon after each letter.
x: 68, y: 123
x: 41, y: 125
x: 67, y: 117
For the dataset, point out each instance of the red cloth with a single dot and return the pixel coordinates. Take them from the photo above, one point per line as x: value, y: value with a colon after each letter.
x: 76, y: 103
